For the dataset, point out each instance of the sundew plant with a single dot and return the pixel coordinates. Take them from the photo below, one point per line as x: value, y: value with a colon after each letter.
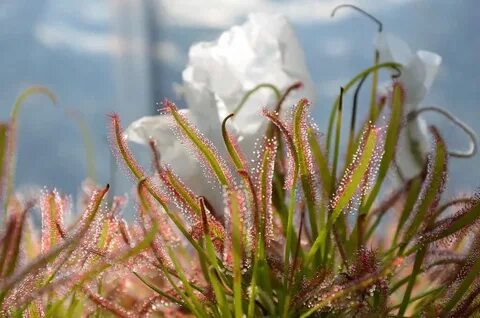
x: 305, y: 226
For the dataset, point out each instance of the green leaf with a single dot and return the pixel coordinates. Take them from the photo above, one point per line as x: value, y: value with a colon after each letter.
x: 191, y: 300
x: 347, y: 87
x: 158, y: 290
x: 432, y: 189
x: 301, y: 147
x: 265, y: 185
x: 260, y: 275
x: 75, y: 308
x: 373, y: 93
x: 289, y: 242
x: 10, y: 156
x: 33, y: 311
x: 56, y: 309
x: 391, y: 139
x: 408, y: 206
x: 347, y: 188
x: 417, y: 267
x: 237, y: 229
x: 32, y: 90
x: 336, y: 148
x: 470, y: 277
x: 4, y: 128
x: 11, y: 243
x: 67, y: 245
x: 232, y: 148
x: 321, y: 160
x: 290, y: 183
x: 213, y: 270
x: 351, y: 181
x: 186, y: 196
x: 361, y: 283
x: 205, y: 148
x: 120, y: 148
x: 242, y: 102
x: 430, y: 196
x: 447, y: 227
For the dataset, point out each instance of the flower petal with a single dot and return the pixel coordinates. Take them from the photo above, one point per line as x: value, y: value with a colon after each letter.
x: 413, y: 143
x: 418, y: 76
x: 392, y: 49
x: 262, y: 50
x: 418, y: 73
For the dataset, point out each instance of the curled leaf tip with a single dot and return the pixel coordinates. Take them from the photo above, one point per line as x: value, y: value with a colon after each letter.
x: 141, y: 184
x: 304, y: 102
x: 398, y: 70
x: 203, y: 209
x: 224, y: 122
x: 472, y: 136
x: 233, y: 148
x: 169, y: 105
x: 358, y: 9
x: 398, y: 87
x: 301, y: 107
x: 297, y: 85
x: 32, y: 90
x: 113, y: 116
x: 120, y: 148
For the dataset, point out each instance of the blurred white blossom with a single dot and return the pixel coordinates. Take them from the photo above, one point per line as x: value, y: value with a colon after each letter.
x: 262, y: 50
x: 418, y: 73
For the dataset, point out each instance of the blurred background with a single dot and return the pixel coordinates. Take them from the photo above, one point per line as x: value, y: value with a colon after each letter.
x: 125, y: 55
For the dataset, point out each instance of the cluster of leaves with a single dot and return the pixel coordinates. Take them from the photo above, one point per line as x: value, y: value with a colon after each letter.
x: 264, y: 257
x: 301, y: 235
x: 61, y: 269
x: 294, y: 239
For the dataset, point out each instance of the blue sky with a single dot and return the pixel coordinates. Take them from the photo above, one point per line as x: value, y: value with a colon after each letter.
x: 96, y: 56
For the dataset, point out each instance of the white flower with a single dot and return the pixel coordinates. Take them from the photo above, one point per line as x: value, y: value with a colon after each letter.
x: 418, y: 73
x: 218, y: 75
